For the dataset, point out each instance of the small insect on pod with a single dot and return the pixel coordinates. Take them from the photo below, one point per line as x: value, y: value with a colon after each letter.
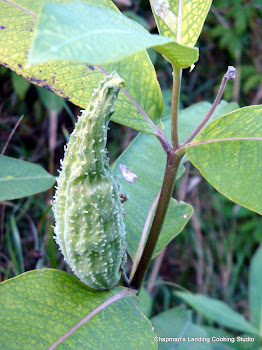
x: 89, y: 220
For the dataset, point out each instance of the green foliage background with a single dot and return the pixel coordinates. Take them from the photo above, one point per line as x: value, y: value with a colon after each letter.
x: 213, y: 253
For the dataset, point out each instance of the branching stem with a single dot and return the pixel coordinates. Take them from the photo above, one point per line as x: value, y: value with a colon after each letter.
x: 172, y: 165
x: 174, y: 156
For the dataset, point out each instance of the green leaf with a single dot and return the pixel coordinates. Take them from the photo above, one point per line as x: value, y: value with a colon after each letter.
x: 15, y: 268
x: 70, y: 31
x: 177, y: 323
x: 140, y: 169
x: 255, y: 288
x: 145, y: 302
x: 194, y: 13
x: 19, y: 179
x: 20, y: 85
x: 138, y: 159
x: 190, y: 117
x: 17, y: 244
x: 51, y: 101
x: 177, y: 217
x: 233, y: 167
x: 40, y: 306
x: 76, y: 81
x: 217, y: 311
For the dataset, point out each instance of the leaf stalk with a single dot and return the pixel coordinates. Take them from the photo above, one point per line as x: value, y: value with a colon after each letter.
x: 174, y: 156
x: 230, y: 75
x: 177, y: 75
x: 160, y: 135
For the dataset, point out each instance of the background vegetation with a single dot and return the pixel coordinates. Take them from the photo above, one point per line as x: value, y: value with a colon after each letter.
x: 213, y: 253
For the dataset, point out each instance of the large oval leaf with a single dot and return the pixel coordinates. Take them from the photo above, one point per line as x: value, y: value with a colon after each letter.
x: 19, y: 178
x: 76, y: 81
x: 194, y: 13
x: 98, y: 35
x: 40, y: 306
x: 233, y: 167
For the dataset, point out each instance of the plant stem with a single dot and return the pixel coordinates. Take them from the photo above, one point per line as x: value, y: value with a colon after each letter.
x: 177, y: 74
x: 172, y: 164
x: 161, y: 210
x: 230, y: 75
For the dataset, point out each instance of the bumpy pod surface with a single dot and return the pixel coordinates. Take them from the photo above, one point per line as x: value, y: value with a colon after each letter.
x: 87, y: 207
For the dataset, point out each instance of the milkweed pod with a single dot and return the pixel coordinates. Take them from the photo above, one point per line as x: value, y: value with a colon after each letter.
x: 89, y: 226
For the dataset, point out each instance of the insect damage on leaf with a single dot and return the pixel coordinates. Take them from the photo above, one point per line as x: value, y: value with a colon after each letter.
x: 161, y: 8
x: 127, y: 174
x: 87, y: 205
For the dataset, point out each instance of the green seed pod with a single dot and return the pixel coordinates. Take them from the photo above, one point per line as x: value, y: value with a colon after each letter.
x: 87, y: 207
